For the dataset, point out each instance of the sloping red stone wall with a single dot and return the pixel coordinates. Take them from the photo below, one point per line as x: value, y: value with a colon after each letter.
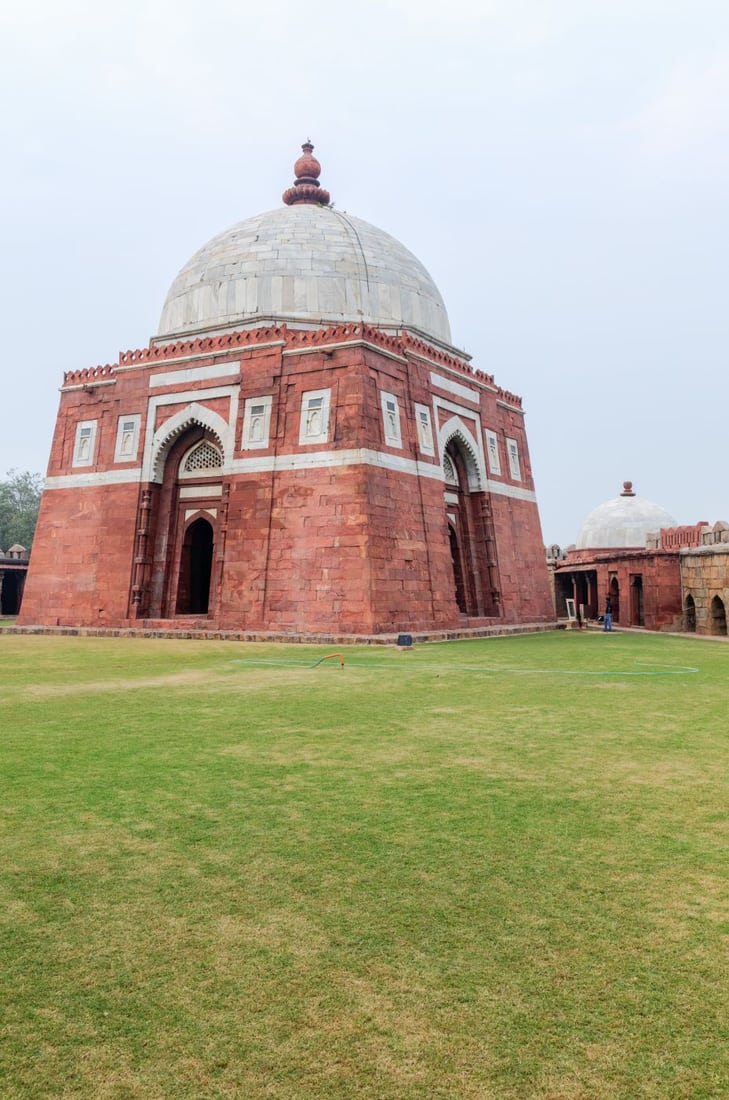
x: 80, y: 566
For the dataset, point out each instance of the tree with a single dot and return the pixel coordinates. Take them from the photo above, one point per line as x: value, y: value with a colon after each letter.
x: 20, y: 495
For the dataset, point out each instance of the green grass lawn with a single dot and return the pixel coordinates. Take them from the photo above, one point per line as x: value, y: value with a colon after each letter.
x: 492, y: 869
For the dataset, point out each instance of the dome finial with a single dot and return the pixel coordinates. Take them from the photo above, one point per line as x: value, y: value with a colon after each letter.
x: 306, y: 185
x: 627, y: 489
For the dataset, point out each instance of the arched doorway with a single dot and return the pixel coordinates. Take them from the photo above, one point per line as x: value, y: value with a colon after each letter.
x: 614, y: 593
x: 179, y: 527
x: 636, y: 600
x: 718, y: 616
x: 689, y: 615
x: 196, y: 563
x: 473, y: 583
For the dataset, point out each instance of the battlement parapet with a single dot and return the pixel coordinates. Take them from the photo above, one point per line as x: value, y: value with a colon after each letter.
x: 509, y: 397
x: 202, y: 345
x: 674, y: 538
x: 292, y: 337
x: 462, y: 366
x: 88, y: 375
x: 712, y: 536
x: 344, y: 333
x: 439, y: 355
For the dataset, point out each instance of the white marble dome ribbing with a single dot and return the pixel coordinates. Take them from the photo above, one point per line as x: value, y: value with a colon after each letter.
x: 624, y: 521
x: 306, y: 263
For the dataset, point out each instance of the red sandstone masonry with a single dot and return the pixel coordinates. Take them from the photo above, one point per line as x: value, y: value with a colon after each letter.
x: 354, y: 547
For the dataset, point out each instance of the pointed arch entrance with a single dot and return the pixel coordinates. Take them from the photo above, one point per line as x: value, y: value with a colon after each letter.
x: 636, y: 600
x: 181, y: 529
x: 718, y: 616
x: 474, y: 572
x: 196, y: 562
x: 689, y: 615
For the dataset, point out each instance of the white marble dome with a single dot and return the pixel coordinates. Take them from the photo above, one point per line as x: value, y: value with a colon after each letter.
x: 305, y: 263
x: 622, y: 522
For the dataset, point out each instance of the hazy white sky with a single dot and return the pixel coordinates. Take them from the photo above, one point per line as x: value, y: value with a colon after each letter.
x: 561, y: 168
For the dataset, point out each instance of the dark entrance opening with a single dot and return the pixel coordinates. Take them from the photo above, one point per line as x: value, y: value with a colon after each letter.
x: 718, y: 616
x: 470, y: 534
x: 689, y: 617
x: 615, y: 599
x: 193, y: 589
x: 10, y: 592
x: 581, y: 590
x: 636, y: 601
x: 563, y: 591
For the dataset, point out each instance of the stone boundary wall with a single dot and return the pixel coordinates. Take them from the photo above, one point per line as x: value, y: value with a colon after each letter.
x: 704, y: 575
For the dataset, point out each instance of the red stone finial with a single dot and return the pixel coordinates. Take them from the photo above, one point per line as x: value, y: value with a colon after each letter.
x: 306, y: 185
x: 307, y: 167
x: 627, y: 489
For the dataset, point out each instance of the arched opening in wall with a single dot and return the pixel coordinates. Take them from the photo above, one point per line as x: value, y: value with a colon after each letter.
x: 636, y: 600
x: 614, y: 593
x: 689, y: 615
x: 184, y: 520
x: 563, y: 591
x: 457, y: 570
x: 470, y: 577
x: 581, y: 595
x: 718, y: 616
x: 193, y: 586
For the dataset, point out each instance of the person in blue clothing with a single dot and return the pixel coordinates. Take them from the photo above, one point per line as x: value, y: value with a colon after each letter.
x: 608, y: 624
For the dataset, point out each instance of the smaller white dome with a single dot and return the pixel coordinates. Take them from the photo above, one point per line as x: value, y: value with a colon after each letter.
x: 622, y: 522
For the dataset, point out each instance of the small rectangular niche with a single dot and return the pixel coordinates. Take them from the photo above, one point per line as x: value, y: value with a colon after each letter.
x: 314, y: 425
x: 85, y: 443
